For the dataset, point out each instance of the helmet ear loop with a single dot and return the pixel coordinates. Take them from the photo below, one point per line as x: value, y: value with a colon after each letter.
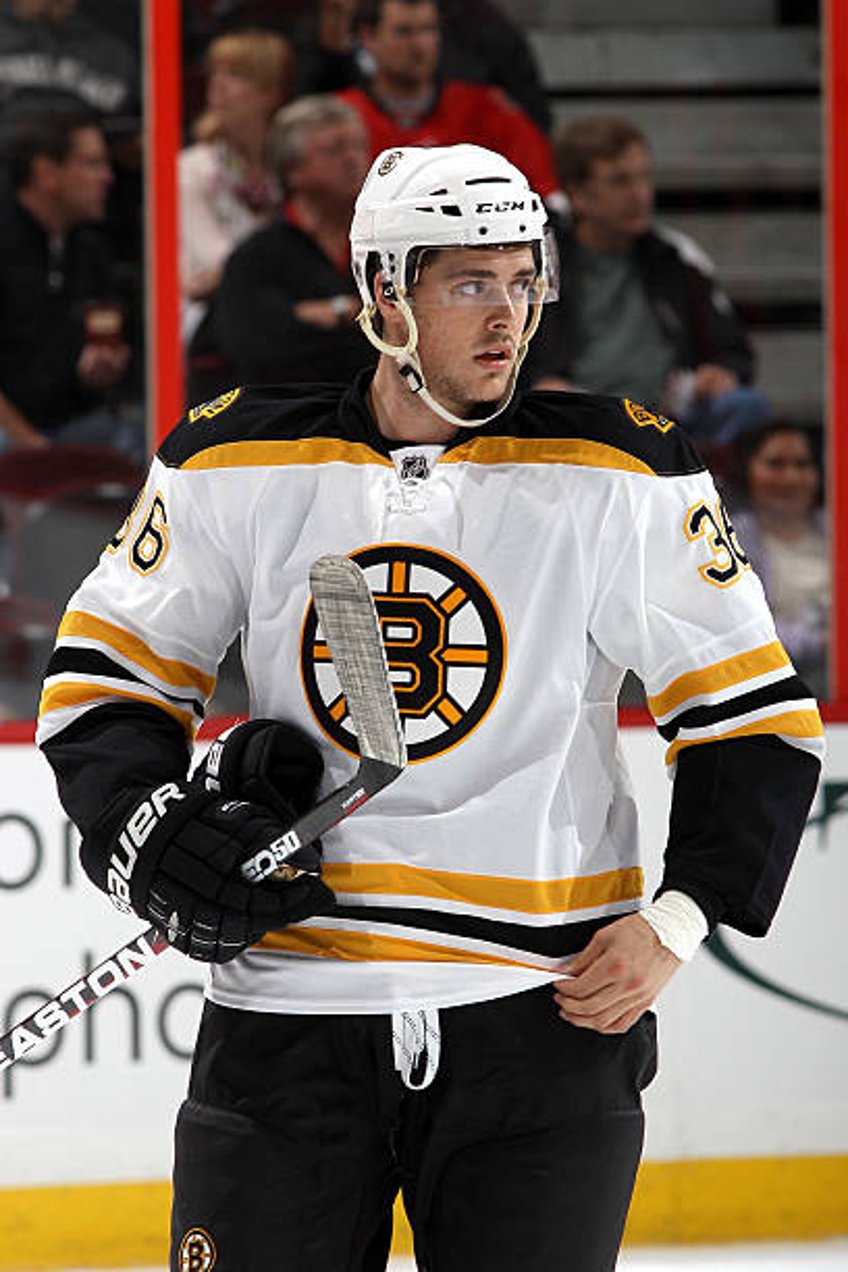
x: 529, y: 331
x: 406, y: 352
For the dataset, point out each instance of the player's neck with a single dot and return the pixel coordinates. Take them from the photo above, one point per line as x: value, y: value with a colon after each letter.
x: 399, y: 414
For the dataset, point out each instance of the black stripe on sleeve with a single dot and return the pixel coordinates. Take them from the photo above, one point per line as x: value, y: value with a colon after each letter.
x: 792, y: 689
x: 91, y: 662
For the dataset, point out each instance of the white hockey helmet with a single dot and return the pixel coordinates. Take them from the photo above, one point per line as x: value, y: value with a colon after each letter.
x: 416, y: 198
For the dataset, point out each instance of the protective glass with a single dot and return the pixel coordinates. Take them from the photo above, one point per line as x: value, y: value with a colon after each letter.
x: 456, y: 277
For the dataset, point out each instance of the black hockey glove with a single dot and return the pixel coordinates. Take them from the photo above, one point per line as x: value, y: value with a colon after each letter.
x: 173, y: 855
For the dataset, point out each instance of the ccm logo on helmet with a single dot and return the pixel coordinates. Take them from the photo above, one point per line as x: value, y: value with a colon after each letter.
x: 140, y: 825
x: 503, y: 205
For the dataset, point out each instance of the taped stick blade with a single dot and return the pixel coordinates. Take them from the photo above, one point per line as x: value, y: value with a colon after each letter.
x: 351, y: 628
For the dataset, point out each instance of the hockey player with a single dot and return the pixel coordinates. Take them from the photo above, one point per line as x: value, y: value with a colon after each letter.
x: 460, y: 1006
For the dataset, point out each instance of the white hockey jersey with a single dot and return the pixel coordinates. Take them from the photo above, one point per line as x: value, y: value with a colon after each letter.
x: 517, y: 574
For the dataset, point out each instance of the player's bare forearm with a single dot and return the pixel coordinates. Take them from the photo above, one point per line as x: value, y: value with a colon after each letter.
x: 616, y: 977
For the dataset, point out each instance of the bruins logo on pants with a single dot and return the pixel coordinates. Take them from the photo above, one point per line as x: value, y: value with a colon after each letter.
x: 445, y: 646
x: 197, y: 1252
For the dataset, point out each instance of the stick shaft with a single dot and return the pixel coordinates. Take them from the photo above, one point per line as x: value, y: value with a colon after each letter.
x: 351, y: 623
x: 82, y: 994
x: 135, y: 956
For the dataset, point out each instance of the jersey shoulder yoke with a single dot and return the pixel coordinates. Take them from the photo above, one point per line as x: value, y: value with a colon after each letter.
x: 253, y: 415
x: 608, y: 432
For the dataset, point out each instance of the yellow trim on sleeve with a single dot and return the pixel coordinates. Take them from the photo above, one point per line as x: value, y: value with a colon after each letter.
x: 718, y: 676
x: 274, y: 454
x: 528, y: 896
x: 74, y: 693
x: 169, y: 670
x: 791, y: 724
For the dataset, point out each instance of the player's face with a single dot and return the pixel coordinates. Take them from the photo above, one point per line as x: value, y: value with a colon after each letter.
x: 783, y: 475
x: 616, y: 203
x: 471, y: 308
x: 406, y: 42
x: 82, y: 181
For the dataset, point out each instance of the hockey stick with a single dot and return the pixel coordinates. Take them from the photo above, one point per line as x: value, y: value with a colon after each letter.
x: 351, y: 629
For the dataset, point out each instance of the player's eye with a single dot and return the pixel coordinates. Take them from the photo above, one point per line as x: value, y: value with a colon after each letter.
x: 470, y: 289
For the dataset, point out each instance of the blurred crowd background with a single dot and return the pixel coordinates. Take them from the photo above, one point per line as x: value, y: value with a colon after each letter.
x: 680, y: 156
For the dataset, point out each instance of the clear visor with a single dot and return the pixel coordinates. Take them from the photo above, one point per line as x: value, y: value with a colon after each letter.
x: 506, y: 275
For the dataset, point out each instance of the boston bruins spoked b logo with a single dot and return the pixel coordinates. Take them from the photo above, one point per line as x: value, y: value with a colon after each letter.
x: 445, y: 646
x: 197, y: 1252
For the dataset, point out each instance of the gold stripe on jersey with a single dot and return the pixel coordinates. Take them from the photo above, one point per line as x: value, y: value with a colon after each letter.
x: 802, y: 724
x: 80, y: 693
x: 497, y: 892
x: 310, y: 451
x: 170, y: 671
x: 719, y: 676
x: 360, y: 946
x: 306, y: 451
x: 578, y: 451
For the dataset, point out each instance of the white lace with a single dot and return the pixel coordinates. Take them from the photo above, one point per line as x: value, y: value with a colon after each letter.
x: 416, y: 1033
x: 409, y: 495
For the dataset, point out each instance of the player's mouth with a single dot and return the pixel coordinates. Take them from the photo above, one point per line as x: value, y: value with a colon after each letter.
x: 497, y: 358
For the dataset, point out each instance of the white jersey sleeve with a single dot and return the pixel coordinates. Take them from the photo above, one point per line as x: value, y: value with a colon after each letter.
x: 151, y: 623
x: 679, y: 603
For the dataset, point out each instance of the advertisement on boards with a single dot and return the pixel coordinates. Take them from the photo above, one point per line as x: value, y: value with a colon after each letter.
x: 754, y: 1034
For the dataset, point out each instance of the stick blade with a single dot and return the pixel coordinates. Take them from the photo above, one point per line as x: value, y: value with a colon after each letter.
x: 351, y: 628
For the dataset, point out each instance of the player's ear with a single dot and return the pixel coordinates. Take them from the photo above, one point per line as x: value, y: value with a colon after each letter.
x: 385, y: 295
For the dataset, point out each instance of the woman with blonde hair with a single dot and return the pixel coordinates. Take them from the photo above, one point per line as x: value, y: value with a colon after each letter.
x: 227, y: 186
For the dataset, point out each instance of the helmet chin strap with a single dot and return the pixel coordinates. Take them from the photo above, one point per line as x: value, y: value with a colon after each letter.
x: 409, y: 364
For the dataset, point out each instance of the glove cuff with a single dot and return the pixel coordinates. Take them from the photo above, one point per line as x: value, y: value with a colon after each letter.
x: 121, y: 853
x: 269, y: 762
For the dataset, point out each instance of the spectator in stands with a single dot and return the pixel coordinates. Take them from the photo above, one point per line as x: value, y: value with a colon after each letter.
x: 63, y: 355
x: 480, y: 43
x: 781, y: 526
x: 228, y: 188
x: 58, y: 51
x: 406, y: 100
x: 50, y: 51
x: 318, y: 29
x: 287, y: 304
x: 640, y: 313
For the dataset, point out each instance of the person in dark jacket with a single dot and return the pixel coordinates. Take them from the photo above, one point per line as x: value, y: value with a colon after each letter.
x: 287, y: 305
x: 63, y: 354
x: 640, y: 312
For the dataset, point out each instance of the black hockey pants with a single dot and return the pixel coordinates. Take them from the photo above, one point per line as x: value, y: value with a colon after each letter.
x: 298, y: 1133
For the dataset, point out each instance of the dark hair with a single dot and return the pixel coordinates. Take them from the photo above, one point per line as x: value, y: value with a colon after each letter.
x: 577, y: 145
x: 751, y: 442
x: 369, y: 12
x: 47, y: 132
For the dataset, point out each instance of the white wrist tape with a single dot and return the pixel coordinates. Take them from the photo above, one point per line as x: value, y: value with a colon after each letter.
x: 678, y: 922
